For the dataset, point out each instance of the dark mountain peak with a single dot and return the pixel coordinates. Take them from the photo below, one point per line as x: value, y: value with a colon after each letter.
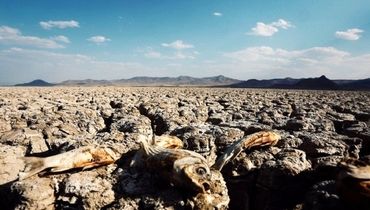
x: 184, y: 77
x: 220, y: 77
x: 37, y: 82
x: 320, y: 83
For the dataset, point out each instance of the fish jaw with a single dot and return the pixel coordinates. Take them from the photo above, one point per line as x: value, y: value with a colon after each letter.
x: 216, y: 198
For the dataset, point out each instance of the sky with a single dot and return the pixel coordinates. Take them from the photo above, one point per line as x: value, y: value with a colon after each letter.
x: 242, y: 39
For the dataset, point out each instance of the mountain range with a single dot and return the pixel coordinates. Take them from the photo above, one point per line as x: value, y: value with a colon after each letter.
x: 158, y: 81
x: 318, y: 83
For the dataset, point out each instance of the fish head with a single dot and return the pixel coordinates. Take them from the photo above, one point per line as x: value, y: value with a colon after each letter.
x: 199, y: 176
x: 194, y: 173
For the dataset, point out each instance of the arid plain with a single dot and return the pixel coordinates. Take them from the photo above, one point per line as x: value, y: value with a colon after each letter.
x: 319, y: 129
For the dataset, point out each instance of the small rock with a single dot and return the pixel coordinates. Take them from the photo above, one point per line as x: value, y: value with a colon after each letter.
x: 35, y: 193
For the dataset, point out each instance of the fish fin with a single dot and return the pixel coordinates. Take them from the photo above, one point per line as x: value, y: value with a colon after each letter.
x: 147, y: 148
x: 88, y: 167
x: 33, y: 165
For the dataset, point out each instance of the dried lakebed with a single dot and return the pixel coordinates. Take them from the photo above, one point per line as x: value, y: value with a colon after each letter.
x: 318, y: 129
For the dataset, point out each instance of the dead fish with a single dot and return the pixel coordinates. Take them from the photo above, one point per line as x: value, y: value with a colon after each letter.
x: 183, y: 168
x: 83, y: 157
x: 262, y: 138
x: 189, y: 169
x: 353, y: 183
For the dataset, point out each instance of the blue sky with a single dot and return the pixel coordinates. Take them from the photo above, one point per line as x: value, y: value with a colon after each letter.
x: 60, y: 40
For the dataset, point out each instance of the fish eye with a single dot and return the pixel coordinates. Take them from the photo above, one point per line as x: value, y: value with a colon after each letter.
x: 201, y: 171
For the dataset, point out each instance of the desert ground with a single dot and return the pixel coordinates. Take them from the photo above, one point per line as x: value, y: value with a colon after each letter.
x: 319, y: 129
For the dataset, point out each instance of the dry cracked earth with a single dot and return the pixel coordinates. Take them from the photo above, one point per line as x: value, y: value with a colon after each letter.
x: 319, y: 129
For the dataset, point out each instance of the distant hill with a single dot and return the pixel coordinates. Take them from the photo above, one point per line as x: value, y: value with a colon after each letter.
x: 363, y: 84
x: 267, y: 83
x: 319, y: 83
x: 86, y: 82
x: 158, y: 81
x: 36, y: 83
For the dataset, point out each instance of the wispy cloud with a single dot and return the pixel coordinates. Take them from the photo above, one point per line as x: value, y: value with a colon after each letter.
x: 13, y: 36
x: 59, y: 24
x: 21, y: 65
x: 153, y: 54
x: 98, y: 39
x: 181, y: 55
x: 178, y: 51
x: 61, y: 38
x: 218, y: 14
x: 262, y: 29
x: 177, y: 55
x: 351, y: 34
x: 178, y: 45
x: 268, y: 62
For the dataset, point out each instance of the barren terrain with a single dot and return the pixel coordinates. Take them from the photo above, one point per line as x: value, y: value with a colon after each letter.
x: 319, y: 129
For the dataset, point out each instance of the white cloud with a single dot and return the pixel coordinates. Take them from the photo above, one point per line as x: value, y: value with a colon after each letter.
x: 13, y: 36
x: 262, y: 29
x: 351, y: 34
x: 178, y: 45
x: 267, y: 62
x: 98, y: 39
x: 61, y: 38
x: 59, y: 24
x: 219, y: 14
x: 282, y: 24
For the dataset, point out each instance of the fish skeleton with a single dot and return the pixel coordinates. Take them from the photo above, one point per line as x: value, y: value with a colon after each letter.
x: 181, y: 167
x: 83, y: 157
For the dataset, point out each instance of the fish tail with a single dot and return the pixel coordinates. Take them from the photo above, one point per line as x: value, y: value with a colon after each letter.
x: 33, y: 165
x: 262, y: 138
